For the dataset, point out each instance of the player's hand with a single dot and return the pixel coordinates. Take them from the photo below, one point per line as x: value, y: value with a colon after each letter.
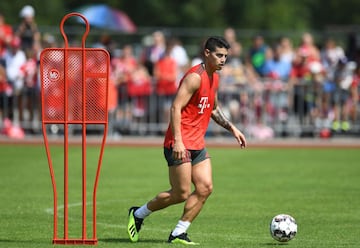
x: 239, y: 136
x: 179, y: 150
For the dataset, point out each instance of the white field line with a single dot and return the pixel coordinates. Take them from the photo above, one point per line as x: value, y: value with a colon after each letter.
x: 79, y: 204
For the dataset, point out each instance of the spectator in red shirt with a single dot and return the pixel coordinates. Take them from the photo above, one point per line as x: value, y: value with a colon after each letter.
x: 354, y: 91
x: 165, y: 75
x: 139, y: 90
x: 30, y: 93
x: 5, y: 91
x: 6, y: 33
x: 308, y: 46
x: 306, y: 77
x: 299, y: 74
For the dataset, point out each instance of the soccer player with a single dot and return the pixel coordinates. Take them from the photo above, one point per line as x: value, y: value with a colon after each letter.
x: 184, y: 145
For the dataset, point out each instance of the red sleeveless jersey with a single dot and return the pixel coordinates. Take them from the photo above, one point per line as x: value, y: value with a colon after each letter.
x: 195, y: 116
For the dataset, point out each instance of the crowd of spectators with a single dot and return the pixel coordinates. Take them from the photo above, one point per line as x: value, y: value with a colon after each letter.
x: 262, y: 86
x: 316, y: 85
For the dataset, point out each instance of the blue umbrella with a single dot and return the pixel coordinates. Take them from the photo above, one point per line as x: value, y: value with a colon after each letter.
x: 103, y: 16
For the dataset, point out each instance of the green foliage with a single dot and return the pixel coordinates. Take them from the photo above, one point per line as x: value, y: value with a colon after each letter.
x: 280, y: 15
x: 244, y: 14
x: 46, y: 12
x: 318, y: 187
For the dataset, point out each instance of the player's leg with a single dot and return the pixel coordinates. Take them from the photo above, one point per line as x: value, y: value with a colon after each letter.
x: 180, y: 181
x: 202, y: 180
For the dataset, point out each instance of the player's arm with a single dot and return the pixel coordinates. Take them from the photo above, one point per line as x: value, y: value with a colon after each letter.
x: 219, y: 117
x: 187, y: 88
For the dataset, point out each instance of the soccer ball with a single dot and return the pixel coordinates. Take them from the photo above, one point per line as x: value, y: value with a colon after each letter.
x: 283, y: 227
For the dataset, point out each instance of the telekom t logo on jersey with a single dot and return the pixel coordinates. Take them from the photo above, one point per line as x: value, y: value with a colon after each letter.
x: 204, y: 103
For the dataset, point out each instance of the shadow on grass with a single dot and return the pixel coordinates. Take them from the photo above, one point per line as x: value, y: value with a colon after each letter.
x: 21, y: 241
x: 274, y: 244
x: 120, y: 240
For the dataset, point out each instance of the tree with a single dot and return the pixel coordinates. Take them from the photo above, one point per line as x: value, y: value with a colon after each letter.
x: 268, y: 15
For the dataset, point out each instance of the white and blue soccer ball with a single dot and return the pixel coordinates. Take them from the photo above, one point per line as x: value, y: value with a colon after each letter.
x: 283, y: 227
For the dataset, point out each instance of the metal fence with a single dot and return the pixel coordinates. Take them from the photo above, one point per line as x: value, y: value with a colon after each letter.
x: 271, y: 110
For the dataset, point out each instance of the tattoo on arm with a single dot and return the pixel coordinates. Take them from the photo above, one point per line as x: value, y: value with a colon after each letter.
x: 219, y: 117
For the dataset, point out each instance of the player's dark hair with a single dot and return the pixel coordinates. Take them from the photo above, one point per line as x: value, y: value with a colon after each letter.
x: 216, y: 41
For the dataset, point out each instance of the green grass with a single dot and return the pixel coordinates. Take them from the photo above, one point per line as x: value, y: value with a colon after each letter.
x: 319, y: 187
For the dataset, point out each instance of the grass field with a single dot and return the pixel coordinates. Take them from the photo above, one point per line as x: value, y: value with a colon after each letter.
x: 319, y: 187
